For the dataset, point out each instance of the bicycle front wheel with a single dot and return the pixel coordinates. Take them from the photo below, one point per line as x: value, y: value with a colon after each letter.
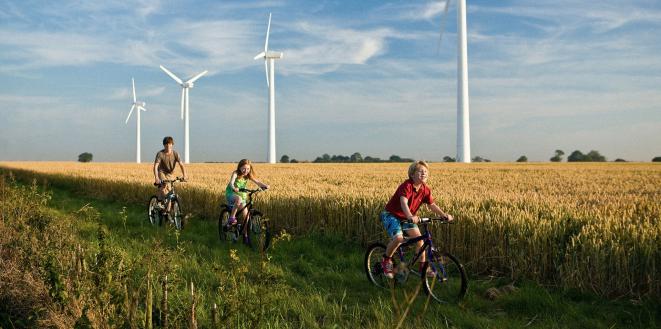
x: 258, y: 232
x: 448, y: 282
x: 225, y: 233
x: 154, y: 211
x: 176, y: 216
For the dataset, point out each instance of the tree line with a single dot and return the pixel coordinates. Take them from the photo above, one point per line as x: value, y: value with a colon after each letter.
x: 354, y: 158
x: 576, y: 156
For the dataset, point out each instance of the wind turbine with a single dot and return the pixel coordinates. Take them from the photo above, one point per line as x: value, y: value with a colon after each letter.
x: 138, y: 106
x: 185, y: 85
x: 269, y: 67
x: 463, y: 124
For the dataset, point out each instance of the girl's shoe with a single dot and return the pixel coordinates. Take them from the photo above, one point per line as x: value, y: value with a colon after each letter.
x: 231, y: 221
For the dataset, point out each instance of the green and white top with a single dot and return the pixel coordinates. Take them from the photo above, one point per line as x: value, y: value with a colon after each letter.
x: 239, y: 183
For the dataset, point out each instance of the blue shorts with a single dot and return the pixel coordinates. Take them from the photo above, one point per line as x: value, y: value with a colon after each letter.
x: 393, y: 226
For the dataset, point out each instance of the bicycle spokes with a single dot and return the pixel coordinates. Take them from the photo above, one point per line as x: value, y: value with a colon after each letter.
x: 449, y: 283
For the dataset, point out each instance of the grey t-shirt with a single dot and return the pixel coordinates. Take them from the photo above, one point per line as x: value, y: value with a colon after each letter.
x: 166, y: 163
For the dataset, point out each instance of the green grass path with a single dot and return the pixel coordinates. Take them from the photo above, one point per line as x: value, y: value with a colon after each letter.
x: 318, y: 281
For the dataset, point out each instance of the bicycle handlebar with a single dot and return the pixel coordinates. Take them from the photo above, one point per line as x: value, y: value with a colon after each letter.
x: 252, y: 191
x: 164, y: 181
x: 425, y: 220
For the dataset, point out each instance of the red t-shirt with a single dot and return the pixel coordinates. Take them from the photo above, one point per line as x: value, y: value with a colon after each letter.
x: 416, y: 198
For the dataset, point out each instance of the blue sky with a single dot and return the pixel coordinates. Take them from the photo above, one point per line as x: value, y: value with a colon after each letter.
x: 357, y: 76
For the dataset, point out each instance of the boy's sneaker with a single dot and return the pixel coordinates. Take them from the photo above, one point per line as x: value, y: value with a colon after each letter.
x: 386, y: 266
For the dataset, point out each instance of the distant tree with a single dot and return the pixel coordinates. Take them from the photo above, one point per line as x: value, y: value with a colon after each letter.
x: 522, y: 158
x: 284, y: 159
x: 395, y: 158
x: 293, y: 161
x: 85, y: 157
x: 558, y: 156
x: 480, y: 159
x: 371, y: 159
x: 620, y: 160
x: 449, y: 159
x: 576, y: 156
x: 594, y: 156
x: 356, y: 157
x: 656, y: 159
x: 326, y: 157
x: 340, y: 158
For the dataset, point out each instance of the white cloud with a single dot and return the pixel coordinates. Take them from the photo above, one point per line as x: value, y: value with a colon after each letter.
x: 323, y: 47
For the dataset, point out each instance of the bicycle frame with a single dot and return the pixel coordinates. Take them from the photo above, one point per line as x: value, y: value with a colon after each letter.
x: 172, y: 195
x: 248, y: 204
x: 427, y: 246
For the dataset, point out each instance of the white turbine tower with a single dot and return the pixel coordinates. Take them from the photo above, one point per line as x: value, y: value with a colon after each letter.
x: 269, y: 67
x: 138, y: 106
x: 185, y: 85
x: 463, y: 124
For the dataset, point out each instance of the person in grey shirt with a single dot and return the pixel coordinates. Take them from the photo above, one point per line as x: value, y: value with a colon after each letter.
x: 164, y: 164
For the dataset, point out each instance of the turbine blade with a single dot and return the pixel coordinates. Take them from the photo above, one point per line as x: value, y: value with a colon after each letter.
x: 174, y: 77
x: 131, y: 111
x: 268, y: 30
x: 443, y: 19
x: 133, y: 84
x: 197, y: 77
x: 260, y: 55
x: 142, y: 108
x: 266, y: 69
x: 183, y: 94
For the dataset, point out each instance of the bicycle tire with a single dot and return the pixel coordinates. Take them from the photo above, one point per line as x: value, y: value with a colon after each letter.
x: 259, y: 234
x: 176, y: 215
x: 372, y: 265
x: 153, y: 213
x: 224, y: 232
x: 450, y: 283
x: 402, y: 269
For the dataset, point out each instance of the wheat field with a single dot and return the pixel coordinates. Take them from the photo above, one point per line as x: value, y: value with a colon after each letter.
x: 591, y: 226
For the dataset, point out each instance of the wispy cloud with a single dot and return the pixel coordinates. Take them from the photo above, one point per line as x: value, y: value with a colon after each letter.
x: 125, y: 93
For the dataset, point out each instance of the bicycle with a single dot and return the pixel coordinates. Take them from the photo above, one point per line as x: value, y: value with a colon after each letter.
x: 257, y: 227
x: 158, y: 210
x: 446, y: 284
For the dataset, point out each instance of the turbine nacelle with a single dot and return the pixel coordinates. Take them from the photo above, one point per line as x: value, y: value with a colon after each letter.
x: 140, y: 105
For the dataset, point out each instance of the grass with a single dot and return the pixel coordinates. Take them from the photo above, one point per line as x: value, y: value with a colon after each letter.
x: 315, y: 280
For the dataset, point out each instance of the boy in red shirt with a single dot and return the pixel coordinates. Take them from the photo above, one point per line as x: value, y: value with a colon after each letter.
x: 399, y: 214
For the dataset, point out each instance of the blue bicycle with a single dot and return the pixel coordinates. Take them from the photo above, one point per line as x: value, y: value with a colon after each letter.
x: 443, y: 275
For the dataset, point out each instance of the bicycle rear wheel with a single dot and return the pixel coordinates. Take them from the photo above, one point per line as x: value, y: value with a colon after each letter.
x: 404, y: 274
x: 176, y: 216
x: 449, y: 283
x: 154, y: 211
x: 372, y: 265
x: 259, y: 233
